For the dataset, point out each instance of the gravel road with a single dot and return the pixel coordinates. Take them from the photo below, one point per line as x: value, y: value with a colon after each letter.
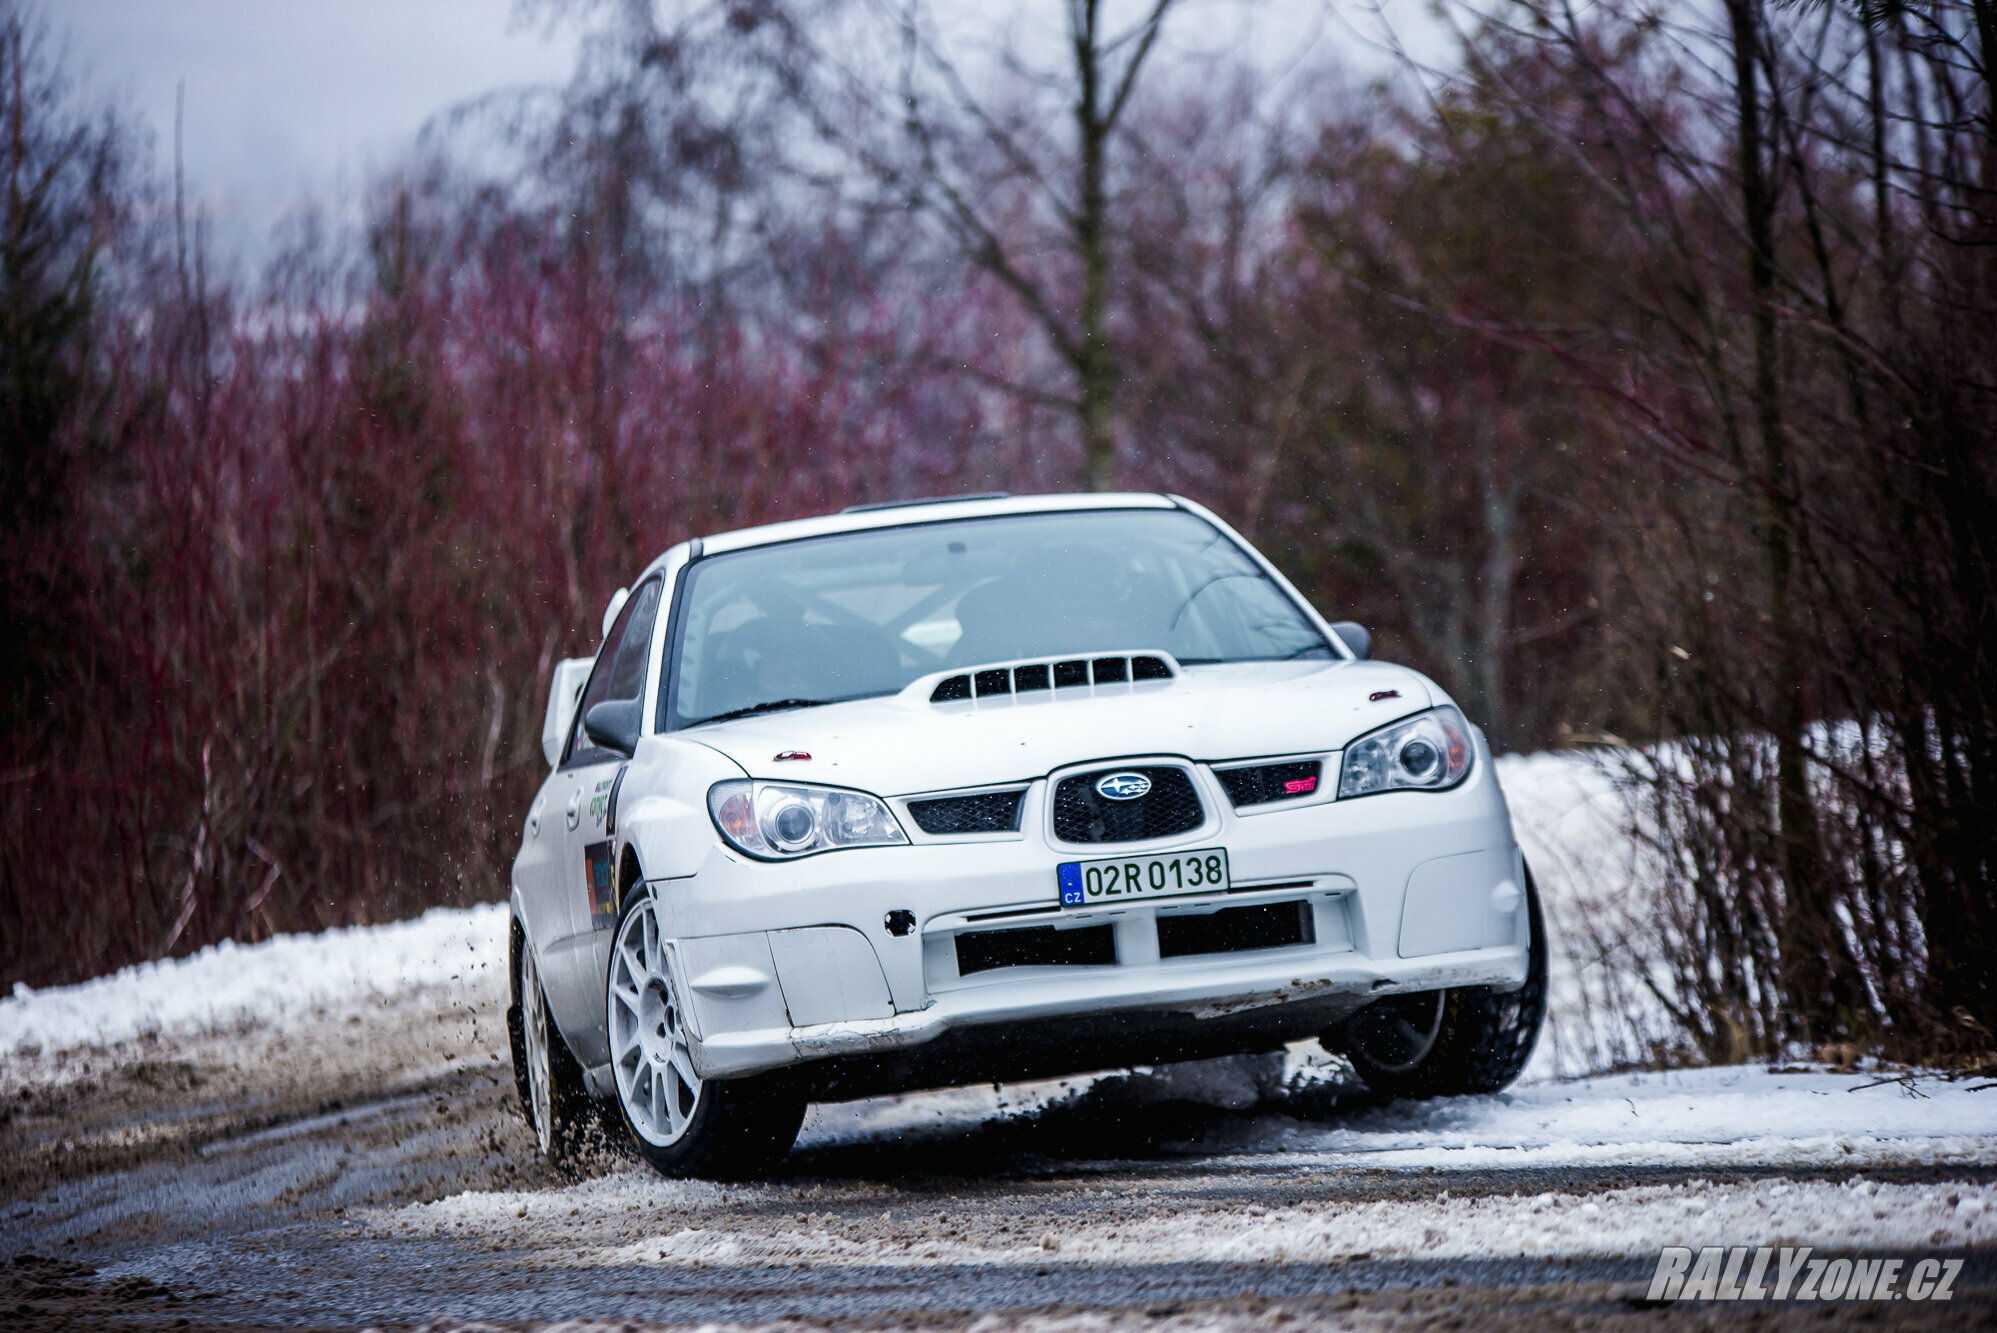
x: 372, y: 1170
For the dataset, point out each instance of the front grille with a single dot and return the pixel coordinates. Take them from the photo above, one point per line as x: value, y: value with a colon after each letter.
x: 1270, y: 782
x: 1236, y: 930
x: 1035, y: 946
x: 1083, y: 814
x: 986, y: 812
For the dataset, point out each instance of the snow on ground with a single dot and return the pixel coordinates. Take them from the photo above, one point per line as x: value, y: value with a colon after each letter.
x: 1733, y: 1117
x: 1722, y: 1120
x: 291, y: 980
x: 1737, y: 1116
x: 1857, y: 1215
x: 1742, y: 1116
x: 1574, y: 821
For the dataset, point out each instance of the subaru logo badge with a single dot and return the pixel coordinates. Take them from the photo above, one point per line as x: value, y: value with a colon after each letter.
x: 1123, y: 786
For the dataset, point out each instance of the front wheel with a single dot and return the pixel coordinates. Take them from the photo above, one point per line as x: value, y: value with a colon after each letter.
x: 682, y: 1124
x: 1451, y: 1043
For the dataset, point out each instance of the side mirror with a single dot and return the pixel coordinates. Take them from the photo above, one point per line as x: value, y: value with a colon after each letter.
x: 613, y: 724
x: 1356, y: 638
x: 563, y: 692
x: 617, y: 600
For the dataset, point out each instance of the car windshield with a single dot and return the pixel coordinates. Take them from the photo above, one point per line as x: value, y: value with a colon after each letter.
x: 865, y: 613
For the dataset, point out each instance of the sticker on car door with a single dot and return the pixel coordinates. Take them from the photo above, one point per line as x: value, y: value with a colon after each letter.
x: 600, y: 875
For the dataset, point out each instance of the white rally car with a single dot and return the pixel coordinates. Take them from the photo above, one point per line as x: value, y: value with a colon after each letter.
x: 994, y: 789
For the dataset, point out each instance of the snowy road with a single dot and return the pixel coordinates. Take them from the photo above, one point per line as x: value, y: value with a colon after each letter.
x: 357, y: 1160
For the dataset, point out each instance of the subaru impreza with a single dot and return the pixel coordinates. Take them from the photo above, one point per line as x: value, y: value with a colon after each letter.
x: 994, y: 788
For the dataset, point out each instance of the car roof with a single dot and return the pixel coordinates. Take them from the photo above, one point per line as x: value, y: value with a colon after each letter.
x: 925, y: 511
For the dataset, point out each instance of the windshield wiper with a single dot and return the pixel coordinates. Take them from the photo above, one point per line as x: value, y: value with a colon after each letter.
x: 1220, y: 661
x: 767, y: 706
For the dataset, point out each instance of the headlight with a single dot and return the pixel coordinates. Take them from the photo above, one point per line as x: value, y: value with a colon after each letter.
x: 774, y: 820
x: 1430, y: 751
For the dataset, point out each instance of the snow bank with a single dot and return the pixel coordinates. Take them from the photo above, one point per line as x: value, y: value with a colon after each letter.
x: 1573, y: 820
x: 275, y: 984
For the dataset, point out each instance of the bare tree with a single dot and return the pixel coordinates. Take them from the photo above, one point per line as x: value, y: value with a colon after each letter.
x: 1442, y: 456
x: 1802, y: 199
x: 1023, y: 160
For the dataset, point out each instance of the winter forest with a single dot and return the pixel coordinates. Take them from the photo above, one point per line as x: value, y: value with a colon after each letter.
x: 1631, y: 369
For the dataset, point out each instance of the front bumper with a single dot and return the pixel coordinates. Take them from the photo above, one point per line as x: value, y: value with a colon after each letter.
x: 1015, y: 1024
x: 794, y: 964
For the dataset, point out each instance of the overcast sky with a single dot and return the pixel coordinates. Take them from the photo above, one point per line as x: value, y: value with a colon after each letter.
x: 294, y: 99
x: 288, y: 99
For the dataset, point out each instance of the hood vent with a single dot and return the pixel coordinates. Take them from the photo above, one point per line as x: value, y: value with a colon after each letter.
x: 1053, y: 674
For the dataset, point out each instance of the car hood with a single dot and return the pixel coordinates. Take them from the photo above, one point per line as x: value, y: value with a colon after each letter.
x: 902, y: 744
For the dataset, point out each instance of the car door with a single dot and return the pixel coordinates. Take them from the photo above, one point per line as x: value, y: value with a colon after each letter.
x: 537, y: 870
x: 587, y: 870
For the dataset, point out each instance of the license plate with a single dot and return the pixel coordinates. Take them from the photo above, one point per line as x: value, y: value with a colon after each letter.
x: 1094, y: 883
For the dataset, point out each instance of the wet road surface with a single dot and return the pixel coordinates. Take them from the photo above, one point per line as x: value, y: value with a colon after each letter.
x: 381, y: 1176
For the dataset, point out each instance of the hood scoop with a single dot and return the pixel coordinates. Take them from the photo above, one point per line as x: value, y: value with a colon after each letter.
x: 1046, y: 673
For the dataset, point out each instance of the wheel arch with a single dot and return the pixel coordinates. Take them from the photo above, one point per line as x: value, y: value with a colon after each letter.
x: 630, y: 872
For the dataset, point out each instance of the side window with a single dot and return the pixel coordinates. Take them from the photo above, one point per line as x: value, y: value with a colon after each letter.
x: 621, y: 663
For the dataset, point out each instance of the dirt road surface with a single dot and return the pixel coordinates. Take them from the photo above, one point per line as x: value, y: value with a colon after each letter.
x: 372, y: 1170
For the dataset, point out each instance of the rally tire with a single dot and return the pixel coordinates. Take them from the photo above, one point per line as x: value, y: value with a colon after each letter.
x: 1468, y: 1041
x: 554, y: 1096
x: 681, y: 1124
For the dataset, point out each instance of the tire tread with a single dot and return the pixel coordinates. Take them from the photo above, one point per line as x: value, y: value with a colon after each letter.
x: 1486, y: 1035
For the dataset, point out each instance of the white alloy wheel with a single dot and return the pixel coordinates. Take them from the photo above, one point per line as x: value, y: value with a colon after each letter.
x: 649, y: 1059
x: 540, y: 1062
